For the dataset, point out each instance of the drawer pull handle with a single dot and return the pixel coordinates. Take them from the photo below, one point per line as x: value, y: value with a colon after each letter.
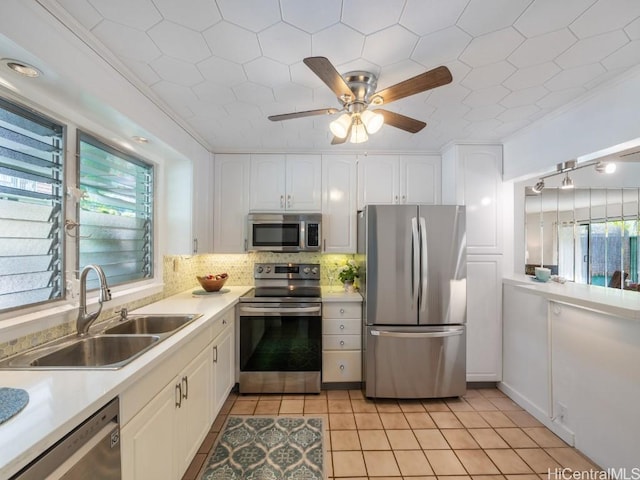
x: 341, y: 342
x: 341, y: 367
x: 185, y: 382
x: 342, y: 310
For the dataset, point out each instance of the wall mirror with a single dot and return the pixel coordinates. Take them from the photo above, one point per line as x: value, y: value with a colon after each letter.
x: 586, y: 235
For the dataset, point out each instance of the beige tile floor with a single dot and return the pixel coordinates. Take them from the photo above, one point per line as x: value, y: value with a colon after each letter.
x: 480, y: 435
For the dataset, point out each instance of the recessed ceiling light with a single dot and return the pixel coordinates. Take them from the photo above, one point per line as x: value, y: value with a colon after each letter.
x: 139, y: 139
x: 22, y: 68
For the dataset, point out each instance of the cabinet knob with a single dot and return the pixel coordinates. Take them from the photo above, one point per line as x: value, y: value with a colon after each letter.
x: 341, y: 367
x: 342, y: 342
x: 341, y: 327
x: 281, y: 201
x: 289, y: 200
x: 395, y: 199
x: 342, y: 310
x: 404, y: 199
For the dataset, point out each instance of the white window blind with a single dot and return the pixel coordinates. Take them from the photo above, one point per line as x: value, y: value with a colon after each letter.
x: 115, y: 212
x: 31, y: 202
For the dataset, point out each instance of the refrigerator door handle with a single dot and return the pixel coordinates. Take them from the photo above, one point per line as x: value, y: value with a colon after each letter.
x: 447, y: 333
x: 424, y: 280
x: 415, y: 271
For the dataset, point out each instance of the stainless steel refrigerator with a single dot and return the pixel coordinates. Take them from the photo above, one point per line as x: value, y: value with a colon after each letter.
x: 413, y: 279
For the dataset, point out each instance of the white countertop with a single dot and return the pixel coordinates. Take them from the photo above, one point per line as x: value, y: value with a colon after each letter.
x: 338, y: 294
x: 621, y: 303
x: 60, y: 400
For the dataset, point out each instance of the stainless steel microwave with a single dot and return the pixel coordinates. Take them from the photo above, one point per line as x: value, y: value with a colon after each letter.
x: 288, y: 232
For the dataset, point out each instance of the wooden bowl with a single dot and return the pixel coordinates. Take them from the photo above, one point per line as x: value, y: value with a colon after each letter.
x: 213, y: 284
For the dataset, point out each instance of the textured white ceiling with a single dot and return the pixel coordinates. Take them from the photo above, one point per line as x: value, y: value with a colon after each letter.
x: 223, y: 66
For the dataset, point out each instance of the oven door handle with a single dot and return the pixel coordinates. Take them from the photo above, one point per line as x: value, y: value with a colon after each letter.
x: 280, y: 310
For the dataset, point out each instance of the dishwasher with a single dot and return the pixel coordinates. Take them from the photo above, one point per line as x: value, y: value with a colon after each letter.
x: 89, y: 451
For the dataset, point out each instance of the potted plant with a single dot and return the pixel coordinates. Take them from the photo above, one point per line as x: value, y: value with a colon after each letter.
x: 347, y: 274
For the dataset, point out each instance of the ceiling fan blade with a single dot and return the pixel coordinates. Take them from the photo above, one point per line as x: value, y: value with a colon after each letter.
x: 307, y: 113
x: 325, y: 70
x: 402, y: 122
x: 425, y: 81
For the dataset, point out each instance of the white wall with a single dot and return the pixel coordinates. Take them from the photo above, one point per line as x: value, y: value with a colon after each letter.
x: 606, y: 117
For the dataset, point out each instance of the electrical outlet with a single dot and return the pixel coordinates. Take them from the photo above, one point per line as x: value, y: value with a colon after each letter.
x: 562, y: 412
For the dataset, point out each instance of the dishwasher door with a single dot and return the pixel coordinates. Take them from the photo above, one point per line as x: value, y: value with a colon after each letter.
x: 90, y: 451
x: 415, y: 362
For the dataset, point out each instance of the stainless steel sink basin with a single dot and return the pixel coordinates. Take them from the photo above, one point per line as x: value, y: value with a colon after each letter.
x: 109, y: 351
x: 150, y: 324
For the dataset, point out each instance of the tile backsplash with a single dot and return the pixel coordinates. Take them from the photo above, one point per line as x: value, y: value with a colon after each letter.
x: 179, y: 274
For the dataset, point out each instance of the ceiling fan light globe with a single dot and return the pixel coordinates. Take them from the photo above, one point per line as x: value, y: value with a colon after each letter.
x: 372, y: 121
x: 358, y: 133
x: 340, y: 126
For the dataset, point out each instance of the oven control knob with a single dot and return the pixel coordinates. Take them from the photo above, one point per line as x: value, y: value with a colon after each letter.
x: 306, y: 270
x: 314, y: 270
x: 259, y: 269
x: 268, y: 269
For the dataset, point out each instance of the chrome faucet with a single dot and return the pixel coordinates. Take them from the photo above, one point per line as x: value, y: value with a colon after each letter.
x: 86, y: 319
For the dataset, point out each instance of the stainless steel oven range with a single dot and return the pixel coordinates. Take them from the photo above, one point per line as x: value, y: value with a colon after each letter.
x: 280, y: 330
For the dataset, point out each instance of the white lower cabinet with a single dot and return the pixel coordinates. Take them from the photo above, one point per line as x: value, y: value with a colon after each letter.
x: 168, y: 413
x: 484, y: 318
x: 160, y: 441
x: 223, y: 364
x: 342, y: 342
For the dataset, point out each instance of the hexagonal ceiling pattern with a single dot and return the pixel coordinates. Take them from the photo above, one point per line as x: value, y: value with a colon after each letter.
x: 223, y: 66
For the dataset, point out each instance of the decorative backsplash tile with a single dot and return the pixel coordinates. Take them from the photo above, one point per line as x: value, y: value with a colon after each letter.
x: 179, y: 274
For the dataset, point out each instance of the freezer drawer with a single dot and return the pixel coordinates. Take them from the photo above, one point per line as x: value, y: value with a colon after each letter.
x: 418, y: 362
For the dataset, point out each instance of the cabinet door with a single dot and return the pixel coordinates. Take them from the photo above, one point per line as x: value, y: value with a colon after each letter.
x: 420, y: 179
x: 202, y: 198
x: 339, y: 203
x: 267, y: 183
x: 195, y: 413
x: 484, y: 318
x: 148, y: 440
x: 231, y: 203
x: 480, y: 189
x: 224, y: 368
x: 303, y: 180
x: 378, y: 180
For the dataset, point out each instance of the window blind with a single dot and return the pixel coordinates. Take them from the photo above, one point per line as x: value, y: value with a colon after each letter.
x: 31, y: 202
x: 115, y: 212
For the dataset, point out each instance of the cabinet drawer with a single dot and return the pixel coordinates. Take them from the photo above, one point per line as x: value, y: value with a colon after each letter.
x: 342, y: 310
x: 342, y: 366
x: 347, y: 326
x: 341, y: 342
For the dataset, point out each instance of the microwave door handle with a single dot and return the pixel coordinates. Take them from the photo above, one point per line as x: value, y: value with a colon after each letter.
x: 415, y: 270
x: 425, y: 266
x: 303, y: 234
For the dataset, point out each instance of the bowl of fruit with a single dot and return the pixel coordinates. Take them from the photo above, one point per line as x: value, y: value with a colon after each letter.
x: 213, y: 283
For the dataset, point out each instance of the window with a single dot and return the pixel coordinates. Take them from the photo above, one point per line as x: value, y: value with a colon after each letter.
x: 31, y: 208
x: 115, y: 212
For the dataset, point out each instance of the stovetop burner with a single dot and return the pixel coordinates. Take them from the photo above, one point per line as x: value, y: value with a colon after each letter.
x: 288, y: 282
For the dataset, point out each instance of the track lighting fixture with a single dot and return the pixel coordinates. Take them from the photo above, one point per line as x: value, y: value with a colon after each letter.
x: 568, y: 166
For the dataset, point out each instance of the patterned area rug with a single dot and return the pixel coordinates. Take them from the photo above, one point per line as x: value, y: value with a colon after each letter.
x: 268, y: 448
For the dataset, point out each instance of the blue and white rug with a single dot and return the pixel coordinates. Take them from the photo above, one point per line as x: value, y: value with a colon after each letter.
x: 268, y: 448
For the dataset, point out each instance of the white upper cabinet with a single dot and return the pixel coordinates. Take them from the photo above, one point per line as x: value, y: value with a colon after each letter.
x: 231, y: 203
x: 472, y: 176
x: 285, y: 182
x: 202, y: 197
x: 393, y: 179
x: 339, y: 203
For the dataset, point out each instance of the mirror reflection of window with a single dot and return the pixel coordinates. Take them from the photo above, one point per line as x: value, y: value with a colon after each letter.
x: 585, y: 235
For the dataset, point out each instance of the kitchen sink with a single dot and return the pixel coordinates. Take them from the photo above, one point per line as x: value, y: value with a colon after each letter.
x: 100, y: 351
x: 112, y: 347
x: 150, y: 324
